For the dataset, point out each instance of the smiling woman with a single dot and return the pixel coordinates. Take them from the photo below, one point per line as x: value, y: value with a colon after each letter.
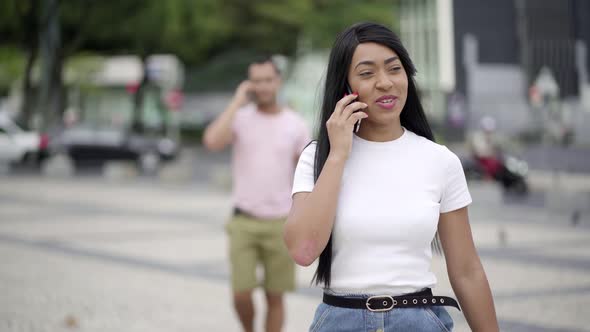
x: 368, y: 204
x: 381, y: 82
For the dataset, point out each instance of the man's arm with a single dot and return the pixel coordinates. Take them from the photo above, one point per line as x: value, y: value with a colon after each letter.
x: 219, y: 134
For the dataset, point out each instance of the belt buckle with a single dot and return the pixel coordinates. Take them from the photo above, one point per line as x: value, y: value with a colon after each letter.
x: 387, y: 300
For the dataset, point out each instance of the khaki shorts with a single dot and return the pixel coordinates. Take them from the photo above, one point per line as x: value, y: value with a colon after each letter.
x: 253, y: 241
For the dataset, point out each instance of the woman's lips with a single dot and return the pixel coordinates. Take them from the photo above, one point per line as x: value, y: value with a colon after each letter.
x: 387, y: 103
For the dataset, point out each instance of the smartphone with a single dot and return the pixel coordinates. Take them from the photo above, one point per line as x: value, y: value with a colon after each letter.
x: 357, y: 125
x: 251, y: 96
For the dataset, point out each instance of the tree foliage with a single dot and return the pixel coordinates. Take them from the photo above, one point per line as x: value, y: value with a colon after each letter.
x: 195, y: 30
x: 198, y: 31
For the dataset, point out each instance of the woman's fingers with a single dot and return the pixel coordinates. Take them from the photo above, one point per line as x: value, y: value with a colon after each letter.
x: 349, y: 115
x: 354, y: 117
x: 341, y: 104
x: 356, y: 106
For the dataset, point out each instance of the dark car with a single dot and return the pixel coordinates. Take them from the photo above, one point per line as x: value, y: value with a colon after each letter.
x: 103, y: 129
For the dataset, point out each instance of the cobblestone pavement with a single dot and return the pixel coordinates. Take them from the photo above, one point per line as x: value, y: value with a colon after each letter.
x: 141, y: 255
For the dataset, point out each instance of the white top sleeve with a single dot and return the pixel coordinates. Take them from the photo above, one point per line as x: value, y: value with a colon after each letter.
x: 303, y: 181
x: 455, y: 194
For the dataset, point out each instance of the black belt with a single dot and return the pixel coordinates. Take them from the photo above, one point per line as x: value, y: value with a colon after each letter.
x: 239, y: 212
x: 386, y: 302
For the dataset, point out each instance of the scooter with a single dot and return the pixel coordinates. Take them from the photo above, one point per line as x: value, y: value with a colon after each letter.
x: 511, y: 173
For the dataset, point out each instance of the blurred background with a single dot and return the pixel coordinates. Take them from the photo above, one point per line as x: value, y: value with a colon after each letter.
x: 112, y: 213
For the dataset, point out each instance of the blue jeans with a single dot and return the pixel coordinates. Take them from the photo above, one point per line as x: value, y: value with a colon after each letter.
x: 423, y: 319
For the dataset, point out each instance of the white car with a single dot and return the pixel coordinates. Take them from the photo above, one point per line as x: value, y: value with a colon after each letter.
x: 20, y: 147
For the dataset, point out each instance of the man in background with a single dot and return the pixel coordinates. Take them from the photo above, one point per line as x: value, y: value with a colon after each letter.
x: 267, y: 139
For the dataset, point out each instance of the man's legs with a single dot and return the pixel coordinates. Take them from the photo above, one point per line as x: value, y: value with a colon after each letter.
x: 279, y: 274
x: 275, y: 314
x: 244, y: 257
x: 245, y: 309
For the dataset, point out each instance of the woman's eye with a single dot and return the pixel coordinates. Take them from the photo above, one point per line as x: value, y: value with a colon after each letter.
x: 366, y: 73
x: 395, y: 68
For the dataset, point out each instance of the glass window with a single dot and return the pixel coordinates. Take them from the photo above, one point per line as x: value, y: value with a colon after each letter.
x: 107, y: 108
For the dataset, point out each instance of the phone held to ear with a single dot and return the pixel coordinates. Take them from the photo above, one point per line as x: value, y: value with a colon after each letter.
x: 251, y: 96
x: 357, y: 125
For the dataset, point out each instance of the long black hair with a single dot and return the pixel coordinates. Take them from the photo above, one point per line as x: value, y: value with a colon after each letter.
x: 412, y: 116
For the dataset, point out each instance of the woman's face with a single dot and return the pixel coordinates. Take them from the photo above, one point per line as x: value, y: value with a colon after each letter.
x: 377, y: 75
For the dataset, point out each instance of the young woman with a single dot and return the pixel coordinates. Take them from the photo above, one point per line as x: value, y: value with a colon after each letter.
x: 368, y: 203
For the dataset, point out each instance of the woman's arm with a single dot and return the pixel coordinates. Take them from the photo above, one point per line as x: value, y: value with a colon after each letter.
x: 466, y: 273
x: 311, y: 218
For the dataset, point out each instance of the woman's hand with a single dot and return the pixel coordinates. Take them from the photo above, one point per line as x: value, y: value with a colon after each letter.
x: 340, y: 125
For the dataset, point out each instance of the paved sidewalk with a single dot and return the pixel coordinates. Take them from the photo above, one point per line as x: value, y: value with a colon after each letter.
x: 94, y: 255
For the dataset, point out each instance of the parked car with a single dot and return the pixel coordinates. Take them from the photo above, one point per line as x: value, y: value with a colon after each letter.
x: 101, y: 126
x: 92, y: 146
x: 104, y: 132
x: 19, y: 147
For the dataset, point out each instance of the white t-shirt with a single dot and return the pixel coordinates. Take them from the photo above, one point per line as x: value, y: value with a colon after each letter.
x: 390, y: 199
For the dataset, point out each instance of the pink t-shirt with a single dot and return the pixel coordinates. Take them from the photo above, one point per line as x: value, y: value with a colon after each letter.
x: 265, y: 152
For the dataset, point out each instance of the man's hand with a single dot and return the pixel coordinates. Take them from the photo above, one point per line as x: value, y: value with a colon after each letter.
x: 241, y: 97
x: 219, y: 133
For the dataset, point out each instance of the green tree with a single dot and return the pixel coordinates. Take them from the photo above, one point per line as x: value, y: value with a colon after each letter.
x: 266, y: 25
x: 328, y: 17
x: 20, y: 24
x: 196, y: 31
x: 186, y: 28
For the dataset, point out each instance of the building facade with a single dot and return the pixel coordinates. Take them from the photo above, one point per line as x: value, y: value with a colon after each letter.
x: 478, y: 57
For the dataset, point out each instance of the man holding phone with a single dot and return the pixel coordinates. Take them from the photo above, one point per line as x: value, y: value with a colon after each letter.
x: 267, y: 139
